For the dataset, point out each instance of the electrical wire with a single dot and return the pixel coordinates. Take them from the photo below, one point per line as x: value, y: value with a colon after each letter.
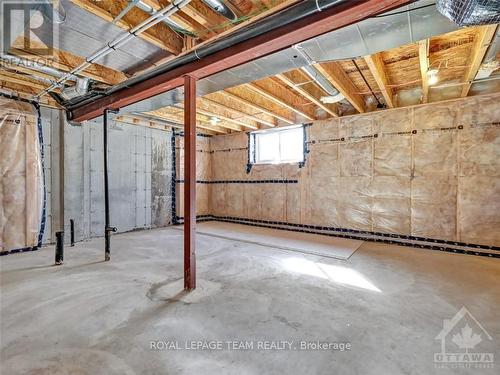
x: 404, y: 11
x: 366, y: 82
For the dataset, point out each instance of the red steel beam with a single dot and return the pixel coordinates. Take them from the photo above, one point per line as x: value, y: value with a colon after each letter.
x: 189, y: 182
x: 272, y: 41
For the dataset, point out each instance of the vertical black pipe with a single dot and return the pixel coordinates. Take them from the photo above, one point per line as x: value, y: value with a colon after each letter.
x: 107, y: 228
x: 59, y: 248
x: 72, y: 231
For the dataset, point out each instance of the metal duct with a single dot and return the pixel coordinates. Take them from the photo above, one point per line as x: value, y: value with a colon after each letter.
x: 119, y: 42
x: 315, y: 74
x: 287, y: 16
x: 470, y: 12
x: 81, y: 88
x: 370, y: 36
x: 221, y: 8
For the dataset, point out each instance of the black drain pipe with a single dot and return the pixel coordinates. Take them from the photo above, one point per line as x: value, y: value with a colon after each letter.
x: 107, y: 228
x: 284, y: 17
x: 72, y: 229
x: 59, y: 248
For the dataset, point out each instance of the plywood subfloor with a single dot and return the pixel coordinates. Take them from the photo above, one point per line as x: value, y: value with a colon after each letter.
x: 333, y: 247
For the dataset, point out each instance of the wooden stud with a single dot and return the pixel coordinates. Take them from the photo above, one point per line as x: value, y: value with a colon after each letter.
x: 238, y: 112
x: 482, y: 40
x: 256, y: 107
x: 338, y: 78
x: 275, y: 99
x: 423, y: 57
x: 377, y: 68
x: 305, y: 94
x: 160, y: 35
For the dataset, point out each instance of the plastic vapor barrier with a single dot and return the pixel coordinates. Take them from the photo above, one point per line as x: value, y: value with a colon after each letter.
x: 21, y: 184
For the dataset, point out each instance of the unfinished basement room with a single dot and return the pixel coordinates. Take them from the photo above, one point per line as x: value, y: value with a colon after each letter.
x: 249, y: 187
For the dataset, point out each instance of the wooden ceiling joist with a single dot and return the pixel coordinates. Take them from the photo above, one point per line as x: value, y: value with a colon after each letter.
x: 160, y: 35
x: 65, y: 62
x: 178, y: 119
x: 377, y: 68
x: 423, y: 57
x: 338, y: 78
x: 305, y: 94
x: 281, y: 102
x: 207, y: 107
x: 482, y: 41
x: 256, y: 107
x: 237, y: 112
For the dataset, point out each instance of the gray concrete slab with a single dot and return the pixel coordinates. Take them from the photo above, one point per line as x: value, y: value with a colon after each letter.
x: 92, y: 317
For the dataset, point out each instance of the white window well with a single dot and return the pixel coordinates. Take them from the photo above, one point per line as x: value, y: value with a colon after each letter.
x: 277, y: 146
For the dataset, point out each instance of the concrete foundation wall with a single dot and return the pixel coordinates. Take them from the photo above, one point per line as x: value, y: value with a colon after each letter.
x: 430, y: 170
x: 140, y: 176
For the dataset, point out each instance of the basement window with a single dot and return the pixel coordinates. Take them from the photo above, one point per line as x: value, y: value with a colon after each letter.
x: 277, y: 146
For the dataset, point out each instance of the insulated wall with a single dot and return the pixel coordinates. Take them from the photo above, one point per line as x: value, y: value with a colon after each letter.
x: 431, y: 171
x: 140, y: 177
x: 203, y: 174
x: 21, y: 183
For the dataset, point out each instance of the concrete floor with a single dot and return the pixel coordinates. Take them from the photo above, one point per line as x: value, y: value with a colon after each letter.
x: 91, y: 317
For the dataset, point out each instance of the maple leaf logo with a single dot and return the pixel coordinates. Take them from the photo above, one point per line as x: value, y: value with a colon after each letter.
x: 466, y: 339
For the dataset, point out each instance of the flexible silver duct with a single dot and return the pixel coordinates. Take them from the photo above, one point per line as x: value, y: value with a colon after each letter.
x: 167, y: 21
x: 315, y: 74
x: 470, y: 12
x: 221, y: 8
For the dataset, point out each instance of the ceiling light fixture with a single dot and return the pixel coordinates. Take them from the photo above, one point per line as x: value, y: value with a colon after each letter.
x: 432, y: 76
x: 214, y: 120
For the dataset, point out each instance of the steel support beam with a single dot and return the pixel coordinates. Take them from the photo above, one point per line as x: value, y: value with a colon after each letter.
x: 189, y: 182
x: 251, y: 49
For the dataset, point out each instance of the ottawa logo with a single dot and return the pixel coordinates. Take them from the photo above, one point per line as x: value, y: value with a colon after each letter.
x: 464, y: 343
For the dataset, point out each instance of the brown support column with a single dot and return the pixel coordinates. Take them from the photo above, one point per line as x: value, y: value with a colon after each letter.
x: 189, y: 182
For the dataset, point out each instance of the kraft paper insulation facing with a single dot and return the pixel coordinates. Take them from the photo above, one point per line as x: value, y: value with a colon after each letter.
x: 21, y: 185
x: 431, y: 171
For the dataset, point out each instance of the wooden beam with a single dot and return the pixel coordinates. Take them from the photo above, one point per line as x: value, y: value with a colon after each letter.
x: 175, y: 119
x: 206, y: 16
x: 160, y: 35
x: 338, y: 78
x: 189, y: 183
x: 377, y: 68
x: 305, y: 94
x: 238, y: 112
x: 66, y: 61
x: 132, y: 120
x: 27, y: 92
x: 307, y: 27
x: 13, y: 78
x: 277, y: 100
x: 482, y: 40
x: 185, y: 22
x: 207, y: 106
x: 224, y: 123
x: 256, y: 107
x: 423, y: 57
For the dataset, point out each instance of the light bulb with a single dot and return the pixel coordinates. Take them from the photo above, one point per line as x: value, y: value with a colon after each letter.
x: 432, y: 76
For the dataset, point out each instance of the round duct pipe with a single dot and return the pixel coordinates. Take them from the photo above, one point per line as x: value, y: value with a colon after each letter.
x: 220, y: 7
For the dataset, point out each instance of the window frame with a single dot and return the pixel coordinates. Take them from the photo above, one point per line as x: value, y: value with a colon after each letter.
x: 252, y: 147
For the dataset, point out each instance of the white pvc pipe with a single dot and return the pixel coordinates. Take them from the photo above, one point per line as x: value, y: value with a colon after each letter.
x: 118, y: 42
